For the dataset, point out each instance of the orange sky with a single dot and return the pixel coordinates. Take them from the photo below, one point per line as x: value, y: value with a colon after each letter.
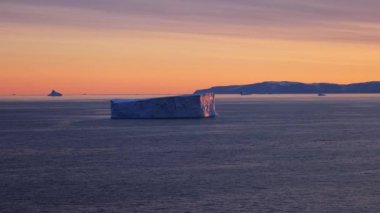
x: 35, y: 58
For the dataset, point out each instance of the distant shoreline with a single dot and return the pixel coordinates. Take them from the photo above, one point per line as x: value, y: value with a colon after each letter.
x: 287, y: 87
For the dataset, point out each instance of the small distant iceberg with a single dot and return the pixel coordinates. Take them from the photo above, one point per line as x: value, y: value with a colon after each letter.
x: 321, y: 94
x: 184, y: 106
x: 54, y: 94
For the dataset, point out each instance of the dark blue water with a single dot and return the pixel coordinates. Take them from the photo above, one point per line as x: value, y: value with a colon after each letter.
x: 262, y: 154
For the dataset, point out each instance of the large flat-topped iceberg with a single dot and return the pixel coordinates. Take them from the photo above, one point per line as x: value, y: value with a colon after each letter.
x: 185, y: 106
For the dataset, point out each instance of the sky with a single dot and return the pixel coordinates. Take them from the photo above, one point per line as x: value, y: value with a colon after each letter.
x: 178, y: 46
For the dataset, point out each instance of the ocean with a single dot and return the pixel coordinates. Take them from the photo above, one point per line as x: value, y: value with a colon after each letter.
x: 263, y: 153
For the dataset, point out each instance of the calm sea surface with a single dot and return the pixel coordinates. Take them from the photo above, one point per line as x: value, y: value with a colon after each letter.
x: 263, y: 153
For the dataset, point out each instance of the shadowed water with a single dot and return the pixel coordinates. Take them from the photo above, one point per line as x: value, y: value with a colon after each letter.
x: 263, y: 153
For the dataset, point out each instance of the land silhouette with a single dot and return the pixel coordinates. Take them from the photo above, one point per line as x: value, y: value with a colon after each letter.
x: 288, y: 87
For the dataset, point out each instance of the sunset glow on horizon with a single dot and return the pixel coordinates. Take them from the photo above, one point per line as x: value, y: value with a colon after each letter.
x: 177, y: 46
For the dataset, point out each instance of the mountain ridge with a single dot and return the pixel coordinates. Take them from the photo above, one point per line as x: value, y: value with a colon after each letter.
x: 290, y: 87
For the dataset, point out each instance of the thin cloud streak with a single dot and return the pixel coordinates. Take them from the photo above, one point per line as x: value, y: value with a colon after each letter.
x: 334, y: 20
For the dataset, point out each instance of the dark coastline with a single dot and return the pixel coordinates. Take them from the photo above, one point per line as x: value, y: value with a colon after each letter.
x: 287, y: 87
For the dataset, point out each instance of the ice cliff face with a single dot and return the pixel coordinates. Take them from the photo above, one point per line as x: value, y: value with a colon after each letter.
x: 185, y: 106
